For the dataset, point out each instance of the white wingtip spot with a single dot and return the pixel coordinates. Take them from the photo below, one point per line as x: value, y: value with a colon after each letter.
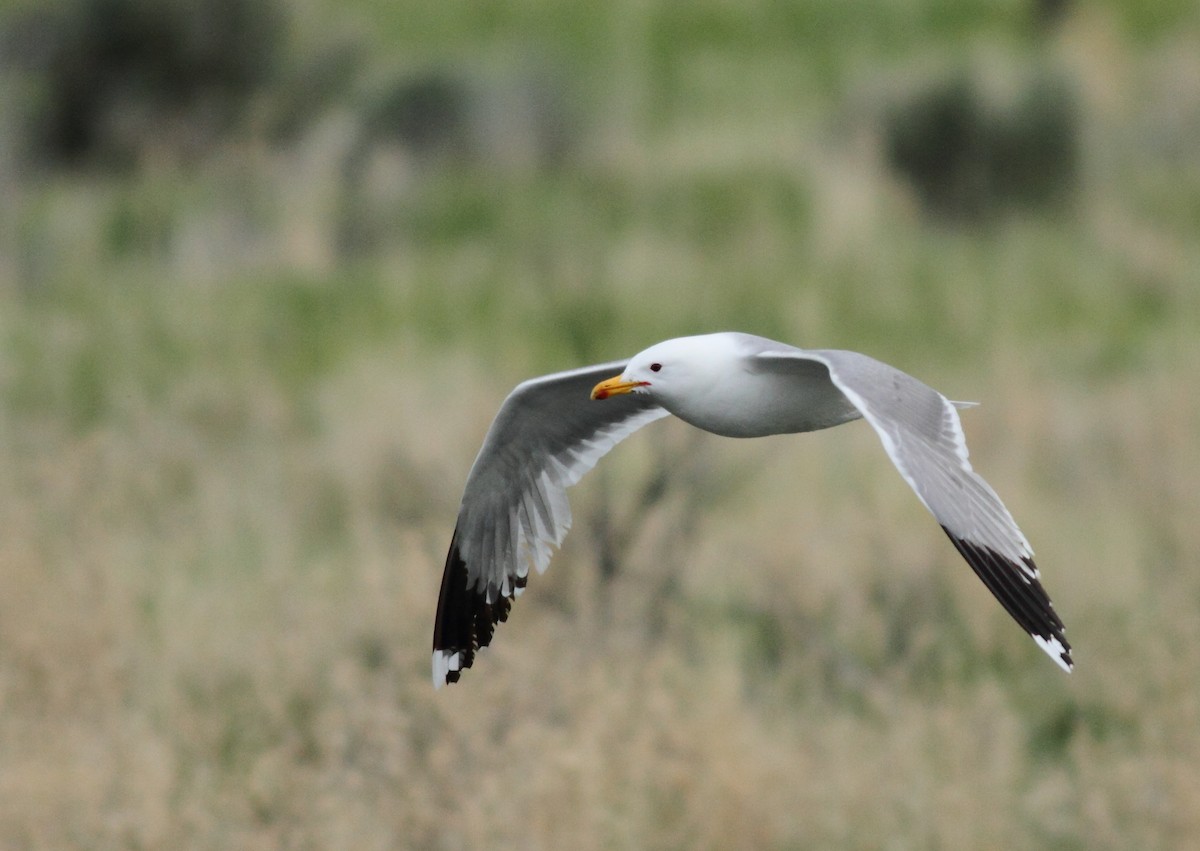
x: 443, y: 663
x: 1055, y: 650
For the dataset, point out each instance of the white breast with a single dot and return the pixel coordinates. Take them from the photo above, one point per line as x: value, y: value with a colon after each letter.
x: 742, y: 403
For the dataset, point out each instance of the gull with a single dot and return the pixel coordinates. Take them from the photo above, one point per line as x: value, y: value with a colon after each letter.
x: 553, y: 429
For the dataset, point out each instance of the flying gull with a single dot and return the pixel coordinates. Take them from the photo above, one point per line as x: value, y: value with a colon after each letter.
x: 551, y: 430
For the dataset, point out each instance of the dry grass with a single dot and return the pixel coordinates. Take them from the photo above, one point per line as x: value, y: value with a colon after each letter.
x: 194, y: 675
x: 229, y: 486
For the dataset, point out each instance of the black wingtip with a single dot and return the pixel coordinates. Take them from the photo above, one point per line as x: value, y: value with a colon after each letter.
x: 1017, y: 588
x: 465, y: 621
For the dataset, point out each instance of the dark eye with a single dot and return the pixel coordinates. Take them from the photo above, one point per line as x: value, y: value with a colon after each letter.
x: 655, y: 367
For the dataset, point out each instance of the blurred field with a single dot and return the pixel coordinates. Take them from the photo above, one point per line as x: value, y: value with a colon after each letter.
x: 241, y: 389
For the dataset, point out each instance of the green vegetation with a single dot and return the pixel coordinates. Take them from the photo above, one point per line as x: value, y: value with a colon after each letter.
x: 240, y: 392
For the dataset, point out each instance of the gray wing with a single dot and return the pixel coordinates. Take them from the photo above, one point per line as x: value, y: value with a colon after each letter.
x: 923, y: 436
x: 514, y: 510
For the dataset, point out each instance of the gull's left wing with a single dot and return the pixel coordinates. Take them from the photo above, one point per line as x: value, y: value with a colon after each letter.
x: 514, y: 510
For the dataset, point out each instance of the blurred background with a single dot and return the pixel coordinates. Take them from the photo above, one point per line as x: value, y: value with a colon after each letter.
x: 267, y: 270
